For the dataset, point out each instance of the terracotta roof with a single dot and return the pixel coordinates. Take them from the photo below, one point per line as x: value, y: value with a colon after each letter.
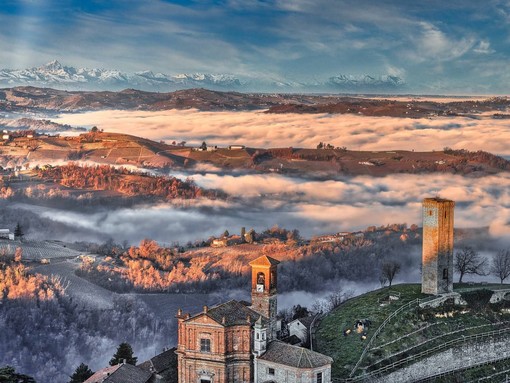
x: 294, y: 356
x: 234, y: 312
x: 121, y: 373
x: 264, y: 261
x: 161, y: 362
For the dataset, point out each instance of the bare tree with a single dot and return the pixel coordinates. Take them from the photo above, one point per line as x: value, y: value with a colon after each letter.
x: 389, y: 270
x: 501, y: 265
x: 468, y: 261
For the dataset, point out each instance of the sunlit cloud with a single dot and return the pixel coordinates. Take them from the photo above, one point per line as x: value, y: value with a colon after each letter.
x: 257, y: 129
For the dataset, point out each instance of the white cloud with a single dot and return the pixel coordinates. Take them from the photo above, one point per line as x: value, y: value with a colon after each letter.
x: 483, y: 47
x: 257, y: 129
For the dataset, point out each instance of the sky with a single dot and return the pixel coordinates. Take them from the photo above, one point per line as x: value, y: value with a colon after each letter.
x: 454, y: 46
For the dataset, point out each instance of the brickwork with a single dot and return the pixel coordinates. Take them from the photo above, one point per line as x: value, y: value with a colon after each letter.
x: 437, y: 256
x: 226, y: 360
x: 264, y: 291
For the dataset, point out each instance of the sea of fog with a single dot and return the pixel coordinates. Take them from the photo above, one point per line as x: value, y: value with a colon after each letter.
x: 261, y: 201
x: 259, y: 129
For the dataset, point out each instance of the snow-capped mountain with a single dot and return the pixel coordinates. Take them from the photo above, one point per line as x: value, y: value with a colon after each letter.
x: 350, y: 81
x: 56, y: 75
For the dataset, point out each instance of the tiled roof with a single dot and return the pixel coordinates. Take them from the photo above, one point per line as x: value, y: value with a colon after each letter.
x: 234, y: 312
x: 264, y: 261
x: 294, y: 356
x: 161, y: 362
x: 121, y: 373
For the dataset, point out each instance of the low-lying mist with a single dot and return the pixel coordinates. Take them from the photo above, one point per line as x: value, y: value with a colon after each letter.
x: 312, y: 207
x: 257, y: 129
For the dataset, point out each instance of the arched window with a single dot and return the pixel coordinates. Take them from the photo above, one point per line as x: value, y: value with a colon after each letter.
x: 261, y: 278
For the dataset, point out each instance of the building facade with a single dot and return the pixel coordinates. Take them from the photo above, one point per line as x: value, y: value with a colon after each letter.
x: 224, y: 343
x: 437, y: 256
x: 285, y: 363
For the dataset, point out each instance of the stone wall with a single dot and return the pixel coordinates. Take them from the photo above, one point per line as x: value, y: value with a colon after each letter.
x: 453, y: 359
x: 437, y: 257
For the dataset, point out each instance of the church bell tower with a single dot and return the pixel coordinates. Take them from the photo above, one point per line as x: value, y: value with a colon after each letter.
x: 264, y: 290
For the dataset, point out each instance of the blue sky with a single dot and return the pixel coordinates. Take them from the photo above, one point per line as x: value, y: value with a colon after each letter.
x: 445, y: 46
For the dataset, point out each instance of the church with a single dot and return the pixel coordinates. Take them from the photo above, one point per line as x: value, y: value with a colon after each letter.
x: 236, y: 342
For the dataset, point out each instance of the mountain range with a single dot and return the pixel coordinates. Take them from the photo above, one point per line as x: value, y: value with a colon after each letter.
x: 56, y: 75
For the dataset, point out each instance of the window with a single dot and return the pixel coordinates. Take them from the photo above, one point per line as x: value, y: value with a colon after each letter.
x: 261, y: 278
x: 430, y: 212
x: 319, y: 377
x: 205, y: 345
x: 445, y: 273
x: 270, y: 371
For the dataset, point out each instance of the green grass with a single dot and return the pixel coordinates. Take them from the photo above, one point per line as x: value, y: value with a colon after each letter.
x: 346, y: 350
x: 405, y: 332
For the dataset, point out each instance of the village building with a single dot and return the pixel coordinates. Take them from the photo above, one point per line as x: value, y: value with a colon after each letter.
x: 301, y: 328
x: 282, y: 363
x: 6, y: 234
x: 224, y: 343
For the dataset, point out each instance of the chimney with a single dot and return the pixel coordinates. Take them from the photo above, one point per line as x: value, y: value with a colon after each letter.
x: 223, y: 320
x: 205, y: 309
x: 179, y: 312
x: 248, y: 319
x: 124, y: 361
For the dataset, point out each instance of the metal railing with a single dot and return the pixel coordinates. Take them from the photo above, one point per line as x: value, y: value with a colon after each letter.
x: 433, y: 350
x: 379, y: 329
x: 445, y: 374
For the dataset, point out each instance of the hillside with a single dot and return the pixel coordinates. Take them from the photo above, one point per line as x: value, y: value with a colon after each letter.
x: 326, y: 162
x: 31, y: 99
x: 419, y: 328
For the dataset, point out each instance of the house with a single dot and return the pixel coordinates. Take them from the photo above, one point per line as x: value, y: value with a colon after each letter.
x: 121, y: 373
x: 6, y: 234
x: 301, y: 328
x: 236, y: 147
x: 283, y: 362
x: 162, y: 366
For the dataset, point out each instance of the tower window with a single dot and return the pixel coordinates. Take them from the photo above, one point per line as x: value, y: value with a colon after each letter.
x: 270, y: 371
x: 445, y: 273
x: 430, y: 212
x: 205, y: 345
x: 261, y: 278
x: 319, y: 377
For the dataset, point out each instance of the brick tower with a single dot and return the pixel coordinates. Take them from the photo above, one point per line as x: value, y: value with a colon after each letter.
x: 437, y: 256
x: 263, y: 290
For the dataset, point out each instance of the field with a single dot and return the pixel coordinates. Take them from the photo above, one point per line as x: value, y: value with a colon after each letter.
x: 323, y: 162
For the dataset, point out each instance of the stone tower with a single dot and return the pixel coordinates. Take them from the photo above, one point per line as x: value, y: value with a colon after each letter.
x: 263, y: 290
x: 437, y: 256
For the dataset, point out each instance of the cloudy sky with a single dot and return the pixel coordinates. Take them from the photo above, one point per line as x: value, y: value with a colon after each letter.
x: 444, y: 46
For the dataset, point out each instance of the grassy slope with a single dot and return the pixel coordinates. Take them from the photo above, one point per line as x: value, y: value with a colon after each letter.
x: 408, y: 330
x: 346, y: 350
